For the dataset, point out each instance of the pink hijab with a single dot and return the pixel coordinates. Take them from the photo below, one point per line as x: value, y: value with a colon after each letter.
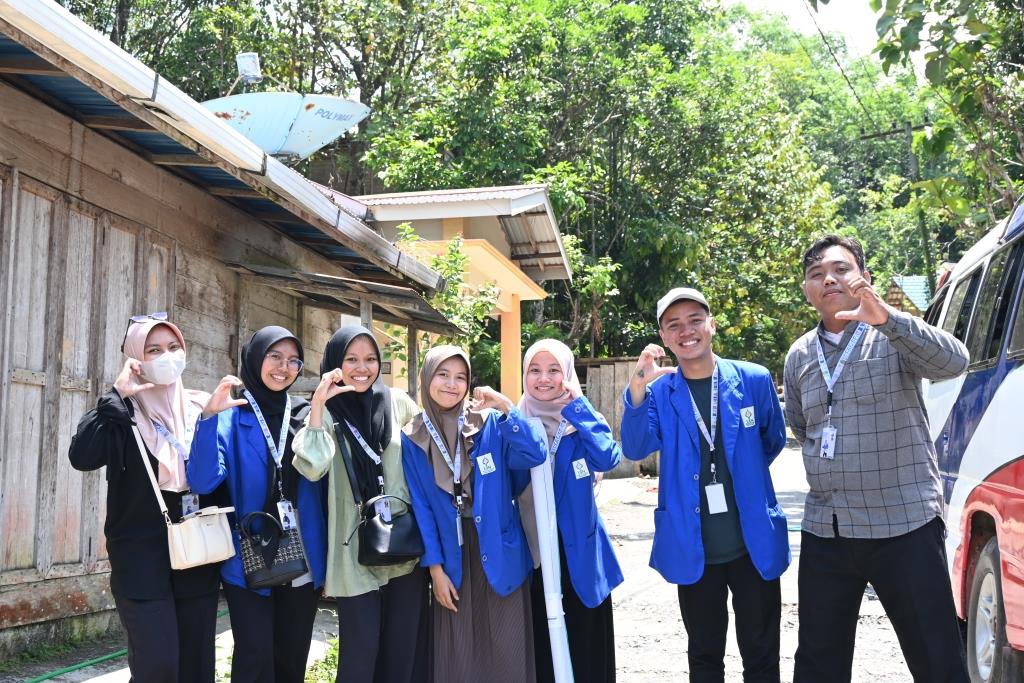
x: 549, y: 412
x: 171, y: 405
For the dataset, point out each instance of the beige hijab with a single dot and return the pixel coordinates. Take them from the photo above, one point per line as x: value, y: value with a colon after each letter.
x: 171, y: 405
x: 446, y: 422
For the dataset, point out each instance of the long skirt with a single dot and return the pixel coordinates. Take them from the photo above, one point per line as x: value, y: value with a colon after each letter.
x: 590, y: 631
x: 489, y: 638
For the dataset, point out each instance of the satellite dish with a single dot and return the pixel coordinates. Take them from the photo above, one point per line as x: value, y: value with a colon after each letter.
x: 288, y: 125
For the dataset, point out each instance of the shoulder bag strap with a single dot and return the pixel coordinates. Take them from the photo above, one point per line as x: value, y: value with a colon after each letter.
x: 149, y: 470
x: 347, y: 459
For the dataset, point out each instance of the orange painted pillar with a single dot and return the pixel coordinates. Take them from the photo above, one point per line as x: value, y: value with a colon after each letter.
x: 512, y: 350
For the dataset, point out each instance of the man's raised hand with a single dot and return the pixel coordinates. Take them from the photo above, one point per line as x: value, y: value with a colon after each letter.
x: 647, y: 370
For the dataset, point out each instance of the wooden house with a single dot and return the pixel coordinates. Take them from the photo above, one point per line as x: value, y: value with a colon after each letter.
x: 121, y: 195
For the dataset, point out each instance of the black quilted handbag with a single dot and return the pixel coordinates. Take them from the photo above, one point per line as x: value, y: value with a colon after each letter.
x: 273, y: 557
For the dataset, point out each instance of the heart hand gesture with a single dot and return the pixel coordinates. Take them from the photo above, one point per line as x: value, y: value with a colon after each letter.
x: 130, y: 381
x: 486, y: 397
x: 221, y: 398
x: 647, y: 370
x: 872, y: 309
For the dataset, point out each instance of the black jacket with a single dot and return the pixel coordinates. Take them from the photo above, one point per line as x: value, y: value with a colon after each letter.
x: 135, y: 529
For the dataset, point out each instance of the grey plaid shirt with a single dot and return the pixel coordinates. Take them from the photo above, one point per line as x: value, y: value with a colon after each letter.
x: 884, y: 480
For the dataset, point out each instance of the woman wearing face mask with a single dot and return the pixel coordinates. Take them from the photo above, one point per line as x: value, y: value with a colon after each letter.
x: 464, y: 469
x: 583, y: 445
x: 169, y: 616
x: 248, y: 444
x: 381, y: 609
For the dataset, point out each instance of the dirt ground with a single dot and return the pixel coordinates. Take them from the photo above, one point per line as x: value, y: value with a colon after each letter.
x: 650, y: 643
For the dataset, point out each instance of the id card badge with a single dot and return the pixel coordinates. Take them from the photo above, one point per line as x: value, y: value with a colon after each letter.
x: 458, y: 527
x: 286, y: 513
x: 716, y: 498
x: 828, y: 442
x: 189, y: 504
x: 580, y: 469
x: 383, y: 508
x: 485, y: 463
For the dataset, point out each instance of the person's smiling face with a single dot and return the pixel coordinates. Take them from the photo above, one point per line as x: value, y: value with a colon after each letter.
x: 450, y: 383
x: 826, y: 281
x: 544, y: 377
x: 361, y: 365
x: 687, y: 330
x: 280, y: 365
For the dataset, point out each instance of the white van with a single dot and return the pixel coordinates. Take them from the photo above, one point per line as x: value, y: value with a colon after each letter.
x: 977, y: 424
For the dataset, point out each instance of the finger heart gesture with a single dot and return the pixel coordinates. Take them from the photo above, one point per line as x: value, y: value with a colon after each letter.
x: 872, y: 309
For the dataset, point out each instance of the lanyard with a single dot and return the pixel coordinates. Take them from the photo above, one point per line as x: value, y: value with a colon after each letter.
x: 456, y: 466
x: 831, y: 379
x: 276, y: 450
x: 709, y: 434
x: 362, y: 442
x: 559, y: 433
x: 166, y: 435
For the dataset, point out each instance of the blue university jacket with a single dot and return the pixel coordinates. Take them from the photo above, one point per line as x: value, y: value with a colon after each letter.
x: 593, y: 569
x: 513, y: 446
x: 753, y: 433
x: 231, y: 446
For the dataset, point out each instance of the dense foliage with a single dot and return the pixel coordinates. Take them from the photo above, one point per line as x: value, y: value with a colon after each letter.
x: 683, y: 142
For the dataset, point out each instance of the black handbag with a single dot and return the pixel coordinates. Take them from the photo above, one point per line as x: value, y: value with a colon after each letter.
x: 272, y: 556
x: 381, y: 543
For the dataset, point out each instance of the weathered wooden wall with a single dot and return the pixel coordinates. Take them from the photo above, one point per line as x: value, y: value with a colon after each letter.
x: 90, y: 234
x: 603, y: 384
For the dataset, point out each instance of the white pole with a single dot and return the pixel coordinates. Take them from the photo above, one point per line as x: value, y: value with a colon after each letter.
x: 547, y: 540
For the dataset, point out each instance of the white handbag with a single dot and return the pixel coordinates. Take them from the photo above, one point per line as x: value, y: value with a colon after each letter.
x: 200, y: 538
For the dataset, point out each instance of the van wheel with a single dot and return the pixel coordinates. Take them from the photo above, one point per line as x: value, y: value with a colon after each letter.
x: 986, y: 619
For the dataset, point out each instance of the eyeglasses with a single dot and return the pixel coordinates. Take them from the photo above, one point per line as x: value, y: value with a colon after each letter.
x: 159, y: 315
x: 294, y: 364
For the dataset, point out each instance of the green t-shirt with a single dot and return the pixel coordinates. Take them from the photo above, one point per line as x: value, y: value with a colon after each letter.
x: 720, y: 533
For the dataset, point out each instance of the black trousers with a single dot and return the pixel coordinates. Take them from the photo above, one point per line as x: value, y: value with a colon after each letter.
x: 758, y: 607
x: 170, y: 640
x: 908, y: 573
x: 272, y: 633
x: 383, y: 634
x: 591, y: 632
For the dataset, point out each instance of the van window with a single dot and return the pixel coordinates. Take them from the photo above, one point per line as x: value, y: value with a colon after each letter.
x: 931, y: 316
x: 1016, y: 347
x: 1001, y: 309
x: 961, y: 304
x: 977, y: 338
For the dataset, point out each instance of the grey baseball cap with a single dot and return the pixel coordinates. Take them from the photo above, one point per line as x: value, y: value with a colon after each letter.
x: 681, y: 294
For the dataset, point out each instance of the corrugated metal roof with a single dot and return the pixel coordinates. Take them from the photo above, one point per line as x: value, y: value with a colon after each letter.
x: 53, y: 56
x: 392, y: 304
x: 440, y: 196
x: 916, y: 288
x: 523, y: 211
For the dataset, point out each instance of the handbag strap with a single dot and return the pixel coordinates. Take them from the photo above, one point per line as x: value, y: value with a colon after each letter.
x: 347, y: 459
x: 144, y: 454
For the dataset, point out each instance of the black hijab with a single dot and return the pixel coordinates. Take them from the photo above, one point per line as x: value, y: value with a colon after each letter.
x: 271, y: 403
x: 368, y: 411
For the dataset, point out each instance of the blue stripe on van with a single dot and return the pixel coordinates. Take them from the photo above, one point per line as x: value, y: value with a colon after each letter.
x: 974, y: 399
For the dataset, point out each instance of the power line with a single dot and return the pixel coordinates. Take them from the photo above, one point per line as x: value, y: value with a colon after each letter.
x: 838, y: 64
